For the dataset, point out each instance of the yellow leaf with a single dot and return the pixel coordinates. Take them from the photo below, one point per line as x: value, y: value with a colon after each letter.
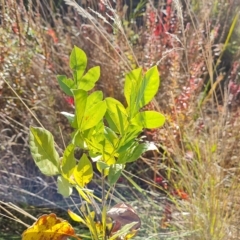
x: 83, y: 172
x: 49, y: 227
x: 76, y: 217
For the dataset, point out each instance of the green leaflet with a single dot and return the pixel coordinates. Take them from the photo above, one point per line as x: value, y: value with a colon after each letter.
x: 80, y: 99
x: 87, y: 82
x: 78, y: 63
x: 69, y: 116
x: 94, y: 98
x: 66, y: 84
x: 83, y: 172
x: 140, y: 90
x: 64, y: 187
x: 133, y: 153
x: 43, y: 152
x: 68, y: 161
x: 132, y: 82
x: 116, y: 115
x: 148, y: 87
x: 148, y: 119
x: 93, y: 115
x: 115, y: 172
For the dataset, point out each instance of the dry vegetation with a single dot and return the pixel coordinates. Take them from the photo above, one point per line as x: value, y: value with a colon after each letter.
x: 195, y: 44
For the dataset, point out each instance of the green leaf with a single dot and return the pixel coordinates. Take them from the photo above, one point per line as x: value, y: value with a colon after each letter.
x: 64, y: 187
x: 102, y: 166
x: 108, y: 159
x: 108, y: 147
x: 93, y: 115
x: 78, y: 140
x: 116, y: 115
x: 132, y: 133
x: 126, y: 146
x: 70, y: 117
x: 110, y: 135
x: 115, y: 172
x: 132, y: 80
x: 83, y: 194
x: 94, y: 137
x: 76, y: 217
x: 68, y: 161
x: 95, y: 156
x: 83, y: 172
x: 94, y: 98
x: 129, y: 138
x: 87, y: 82
x: 139, y: 90
x: 80, y: 99
x: 133, y: 153
x: 43, y: 152
x: 78, y: 63
x: 148, y: 87
x: 148, y: 119
x: 66, y: 84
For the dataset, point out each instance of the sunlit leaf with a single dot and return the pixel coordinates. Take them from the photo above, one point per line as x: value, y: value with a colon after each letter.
x: 133, y: 153
x: 78, y: 140
x: 87, y: 82
x: 111, y: 140
x: 49, y: 227
x: 66, y: 84
x: 148, y: 119
x: 68, y: 161
x: 94, y: 98
x: 107, y: 159
x: 76, y: 217
x: 139, y: 90
x: 83, y: 194
x: 148, y: 87
x: 93, y: 115
x: 83, y: 172
x: 80, y: 99
x: 41, y: 145
x: 64, y: 187
x: 130, y: 136
x: 132, y: 79
x: 102, y: 165
x: 78, y: 63
x: 116, y: 115
x: 115, y: 172
x: 131, y: 86
x: 69, y: 116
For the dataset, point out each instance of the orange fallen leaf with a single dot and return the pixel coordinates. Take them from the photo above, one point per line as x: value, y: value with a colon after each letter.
x: 49, y: 227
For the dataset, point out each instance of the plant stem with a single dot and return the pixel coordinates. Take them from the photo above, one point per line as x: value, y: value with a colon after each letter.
x: 103, y: 189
